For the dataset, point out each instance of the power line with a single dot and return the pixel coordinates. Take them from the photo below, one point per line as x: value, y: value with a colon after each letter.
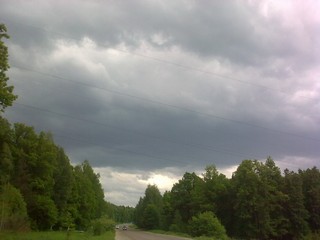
x: 205, y: 147
x: 198, y: 146
x: 169, y: 105
x: 119, y: 149
x: 186, y: 67
x: 166, y: 104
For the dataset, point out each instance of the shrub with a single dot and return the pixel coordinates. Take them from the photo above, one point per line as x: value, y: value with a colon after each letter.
x: 207, y: 224
x: 102, y: 225
x: 13, y: 209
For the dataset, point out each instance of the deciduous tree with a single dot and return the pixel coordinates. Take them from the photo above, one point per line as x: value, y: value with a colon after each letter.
x: 6, y: 92
x: 311, y: 192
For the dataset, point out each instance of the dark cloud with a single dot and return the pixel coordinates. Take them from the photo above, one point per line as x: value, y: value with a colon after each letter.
x: 147, y: 90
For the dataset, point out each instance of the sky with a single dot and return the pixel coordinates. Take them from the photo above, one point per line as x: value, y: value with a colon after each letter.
x: 147, y: 90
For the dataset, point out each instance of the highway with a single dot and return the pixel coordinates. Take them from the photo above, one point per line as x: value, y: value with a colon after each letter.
x: 131, y: 234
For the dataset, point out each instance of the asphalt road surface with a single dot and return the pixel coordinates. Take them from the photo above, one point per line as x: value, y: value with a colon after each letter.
x: 140, y: 235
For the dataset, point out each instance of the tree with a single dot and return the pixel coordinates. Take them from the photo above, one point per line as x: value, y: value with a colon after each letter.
x: 216, y: 194
x: 295, y: 210
x: 311, y: 192
x: 185, y: 196
x: 258, y: 201
x: 120, y: 214
x: 87, y: 196
x: 151, y: 217
x: 43, y: 212
x: 6, y: 159
x: 138, y: 212
x: 35, y: 160
x: 272, y: 181
x: 249, y: 204
x: 6, y: 92
x: 153, y: 196
x: 167, y: 211
x: 63, y: 182
x: 177, y: 224
x: 207, y: 224
x: 148, y: 210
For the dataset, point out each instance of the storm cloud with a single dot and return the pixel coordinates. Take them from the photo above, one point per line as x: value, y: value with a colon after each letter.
x: 146, y: 90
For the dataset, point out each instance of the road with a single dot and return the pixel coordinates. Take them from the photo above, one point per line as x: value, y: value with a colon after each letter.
x: 131, y: 234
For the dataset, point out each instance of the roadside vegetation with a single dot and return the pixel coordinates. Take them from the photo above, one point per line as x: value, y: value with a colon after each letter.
x: 52, y: 235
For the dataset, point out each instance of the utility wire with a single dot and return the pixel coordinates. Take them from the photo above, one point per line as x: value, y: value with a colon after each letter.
x: 164, y: 139
x: 198, y: 146
x: 169, y: 105
x: 186, y: 67
x: 166, y: 104
x: 205, y: 147
x: 119, y: 149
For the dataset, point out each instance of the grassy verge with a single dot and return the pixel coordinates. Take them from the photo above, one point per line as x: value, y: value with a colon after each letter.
x: 171, y: 233
x: 183, y: 235
x: 55, y: 236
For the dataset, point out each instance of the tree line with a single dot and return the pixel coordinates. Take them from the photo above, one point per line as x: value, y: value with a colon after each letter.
x: 39, y: 187
x: 257, y: 202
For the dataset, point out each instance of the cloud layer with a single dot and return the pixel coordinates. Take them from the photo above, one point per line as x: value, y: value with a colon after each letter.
x: 146, y: 90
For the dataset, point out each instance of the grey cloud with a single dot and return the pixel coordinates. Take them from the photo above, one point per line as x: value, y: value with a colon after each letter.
x: 135, y: 114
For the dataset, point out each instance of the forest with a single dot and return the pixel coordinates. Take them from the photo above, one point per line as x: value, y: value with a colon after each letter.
x: 39, y: 187
x: 258, y: 202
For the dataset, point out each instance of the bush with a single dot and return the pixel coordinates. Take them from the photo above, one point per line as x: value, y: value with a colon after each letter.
x: 207, y: 224
x: 174, y: 228
x: 312, y: 236
x: 102, y: 225
x: 13, y: 209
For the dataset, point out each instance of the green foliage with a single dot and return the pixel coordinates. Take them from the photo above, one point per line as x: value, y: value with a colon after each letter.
x: 52, y: 235
x: 6, y: 160
x: 102, y: 225
x: 6, y: 92
x: 62, y: 188
x: 120, y: 214
x: 258, y: 202
x: 151, y: 217
x: 13, y: 211
x: 43, y: 212
x: 311, y: 192
x: 88, y: 194
x: 56, y: 195
x: 207, y: 224
x: 148, y: 210
x: 217, y: 194
x: 312, y: 236
x: 138, y: 220
x: 177, y: 223
x: 186, y: 196
x: 295, y: 210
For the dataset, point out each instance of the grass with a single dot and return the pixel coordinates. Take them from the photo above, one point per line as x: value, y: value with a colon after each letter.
x: 55, y: 236
x: 171, y: 233
x: 183, y: 235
